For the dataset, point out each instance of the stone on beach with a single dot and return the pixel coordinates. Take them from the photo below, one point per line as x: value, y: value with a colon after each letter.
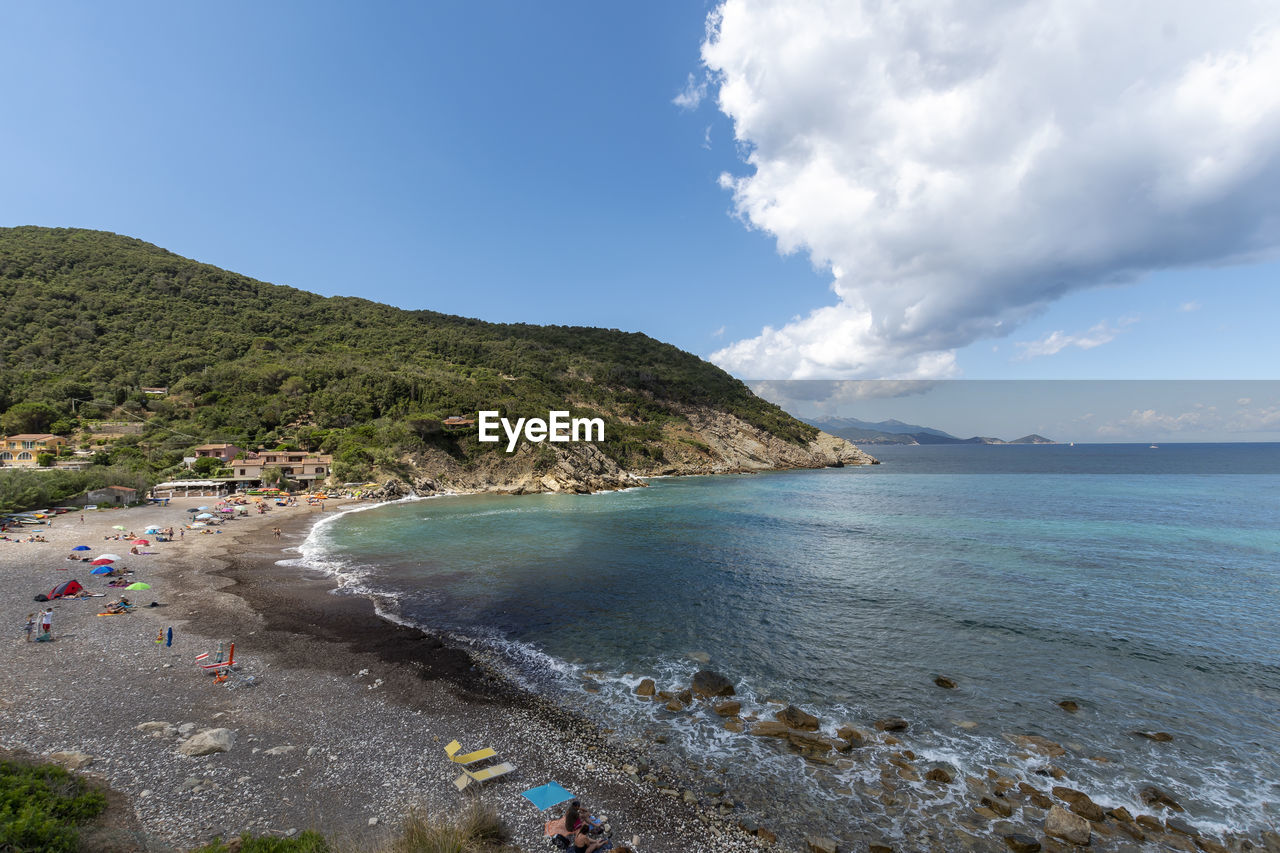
x: 1022, y: 843
x: 709, y: 684
x: 1060, y: 823
x: 819, y: 844
x: 798, y: 719
x: 72, y: 760
x: 208, y: 742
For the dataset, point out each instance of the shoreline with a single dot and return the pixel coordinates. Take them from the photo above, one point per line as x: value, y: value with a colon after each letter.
x: 343, y: 727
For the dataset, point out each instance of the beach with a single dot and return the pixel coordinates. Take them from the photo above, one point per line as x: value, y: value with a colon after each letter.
x: 339, y: 718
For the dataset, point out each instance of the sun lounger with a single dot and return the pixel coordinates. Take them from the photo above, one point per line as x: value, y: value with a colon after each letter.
x: 487, y: 773
x: 471, y: 757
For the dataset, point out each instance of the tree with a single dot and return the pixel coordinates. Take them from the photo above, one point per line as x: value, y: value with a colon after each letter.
x: 29, y: 417
x: 206, y: 465
x: 44, y: 460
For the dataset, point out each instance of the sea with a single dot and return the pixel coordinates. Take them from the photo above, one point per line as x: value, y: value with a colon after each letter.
x: 1140, y: 582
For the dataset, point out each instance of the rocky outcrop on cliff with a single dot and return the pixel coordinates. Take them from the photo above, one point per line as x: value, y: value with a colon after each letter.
x: 703, y: 441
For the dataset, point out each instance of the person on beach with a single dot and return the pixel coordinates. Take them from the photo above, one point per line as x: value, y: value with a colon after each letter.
x: 583, y: 843
x: 31, y: 625
x: 46, y: 623
x: 573, y: 817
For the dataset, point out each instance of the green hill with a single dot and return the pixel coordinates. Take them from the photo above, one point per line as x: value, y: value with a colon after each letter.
x: 89, y: 318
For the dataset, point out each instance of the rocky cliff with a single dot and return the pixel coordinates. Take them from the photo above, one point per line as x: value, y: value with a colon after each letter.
x: 704, y: 441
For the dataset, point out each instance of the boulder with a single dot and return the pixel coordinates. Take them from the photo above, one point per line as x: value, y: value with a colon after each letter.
x: 707, y: 684
x: 728, y: 709
x: 1060, y: 823
x: 685, y: 696
x: 770, y: 728
x: 891, y: 724
x: 1173, y: 824
x: 999, y: 805
x: 1069, y: 706
x: 733, y: 724
x: 157, y: 728
x: 1089, y: 810
x: 1146, y: 821
x: 945, y: 683
x: 1153, y: 796
x: 940, y: 773
x: 675, y: 705
x: 1019, y: 843
x: 798, y: 719
x: 73, y: 760
x: 808, y: 744
x: 646, y: 687
x: 852, y: 737
x: 208, y: 742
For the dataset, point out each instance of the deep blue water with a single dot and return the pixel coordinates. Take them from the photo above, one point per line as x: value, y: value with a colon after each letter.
x: 1142, y: 583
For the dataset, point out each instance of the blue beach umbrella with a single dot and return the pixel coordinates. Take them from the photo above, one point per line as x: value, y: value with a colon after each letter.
x: 101, y: 570
x: 546, y: 796
x: 82, y: 548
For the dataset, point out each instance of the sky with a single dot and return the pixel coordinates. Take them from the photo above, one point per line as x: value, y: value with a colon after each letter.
x: 794, y: 190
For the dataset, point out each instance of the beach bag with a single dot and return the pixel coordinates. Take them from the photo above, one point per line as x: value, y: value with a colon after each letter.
x: 41, y: 597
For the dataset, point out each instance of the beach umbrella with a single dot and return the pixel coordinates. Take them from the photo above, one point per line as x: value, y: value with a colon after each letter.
x: 102, y: 561
x: 108, y: 556
x: 546, y: 796
x: 82, y: 548
x: 202, y: 508
x: 141, y: 542
x: 138, y: 585
x: 152, y: 528
x: 198, y: 524
x: 193, y: 509
x: 101, y: 570
x: 117, y: 527
x: 205, y: 515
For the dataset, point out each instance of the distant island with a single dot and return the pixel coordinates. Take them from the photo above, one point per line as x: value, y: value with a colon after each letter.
x: 897, y: 432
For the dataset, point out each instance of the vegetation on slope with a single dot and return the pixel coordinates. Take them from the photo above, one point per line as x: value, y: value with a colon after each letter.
x: 88, y: 318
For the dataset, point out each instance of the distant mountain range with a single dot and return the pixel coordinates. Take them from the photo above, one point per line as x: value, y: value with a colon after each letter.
x: 897, y: 432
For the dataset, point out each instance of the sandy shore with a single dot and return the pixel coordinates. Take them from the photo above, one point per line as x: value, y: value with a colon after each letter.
x: 343, y: 727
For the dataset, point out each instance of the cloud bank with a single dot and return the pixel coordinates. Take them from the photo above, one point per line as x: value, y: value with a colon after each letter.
x: 957, y: 166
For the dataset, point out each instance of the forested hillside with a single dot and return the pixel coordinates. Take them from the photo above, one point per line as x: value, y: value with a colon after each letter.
x: 89, y: 318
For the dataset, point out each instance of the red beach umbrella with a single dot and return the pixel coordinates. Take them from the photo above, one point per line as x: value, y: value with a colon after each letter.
x: 102, y: 561
x: 141, y: 542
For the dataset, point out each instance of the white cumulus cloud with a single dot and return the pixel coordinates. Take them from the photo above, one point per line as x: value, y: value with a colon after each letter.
x: 957, y: 166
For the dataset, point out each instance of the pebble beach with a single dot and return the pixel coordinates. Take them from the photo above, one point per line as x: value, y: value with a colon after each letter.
x: 336, y: 720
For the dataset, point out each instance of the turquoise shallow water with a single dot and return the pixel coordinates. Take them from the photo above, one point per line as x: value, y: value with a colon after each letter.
x: 1143, y: 584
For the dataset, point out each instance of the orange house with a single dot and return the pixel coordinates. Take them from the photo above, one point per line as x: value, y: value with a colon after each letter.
x: 20, y: 451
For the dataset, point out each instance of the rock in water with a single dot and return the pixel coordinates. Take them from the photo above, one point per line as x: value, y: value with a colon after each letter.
x: 1068, y: 705
x: 1060, y: 823
x: 646, y: 687
x: 945, y: 683
x: 852, y: 737
x: 208, y: 742
x: 941, y: 773
x: 797, y: 719
x: 728, y: 709
x: 770, y: 728
x: 707, y: 683
x: 820, y: 845
x: 1158, y: 737
x: 1022, y: 843
x: 1153, y: 796
x: 891, y: 724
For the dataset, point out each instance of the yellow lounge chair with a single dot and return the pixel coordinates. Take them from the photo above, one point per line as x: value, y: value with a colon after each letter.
x: 471, y: 757
x: 468, y: 777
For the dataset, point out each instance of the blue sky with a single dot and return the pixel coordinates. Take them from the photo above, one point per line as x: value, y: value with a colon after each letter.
x: 523, y: 162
